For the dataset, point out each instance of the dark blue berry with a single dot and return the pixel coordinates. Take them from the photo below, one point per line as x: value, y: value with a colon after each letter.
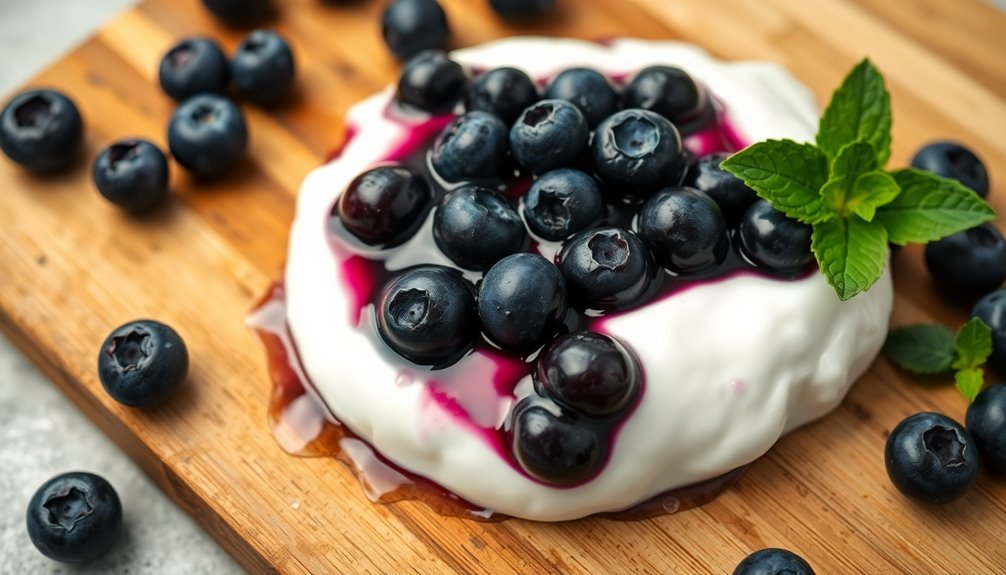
x: 475, y: 227
x: 473, y: 147
x: 952, y: 160
x: 991, y: 309
x: 773, y: 561
x: 194, y: 66
x: 431, y: 82
x: 548, y: 135
x: 561, y: 203
x: 638, y: 150
x: 730, y: 192
x: 606, y: 267
x: 384, y: 206
x: 589, y: 372
x: 411, y: 26
x: 521, y: 9
x: 775, y: 242
x: 263, y: 68
x: 684, y: 230
x: 132, y: 174
x: 930, y: 457
x: 968, y: 264
x: 522, y: 301
x: 207, y: 135
x: 427, y: 315
x: 74, y: 517
x: 240, y: 12
x: 41, y: 130
x: 554, y: 449
x: 986, y: 422
x: 143, y: 363
x: 668, y: 91
x: 505, y: 92
x: 586, y: 89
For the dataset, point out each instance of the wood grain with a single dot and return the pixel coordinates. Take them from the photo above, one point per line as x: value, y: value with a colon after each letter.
x: 74, y: 267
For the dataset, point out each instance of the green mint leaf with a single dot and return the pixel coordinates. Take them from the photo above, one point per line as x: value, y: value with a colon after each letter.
x: 856, y: 185
x: 921, y: 348
x: 973, y: 344
x: 930, y: 207
x: 787, y: 174
x: 969, y: 382
x: 871, y: 191
x: 851, y: 253
x: 859, y: 111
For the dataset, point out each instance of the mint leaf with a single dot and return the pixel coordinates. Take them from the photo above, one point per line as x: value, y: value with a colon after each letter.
x: 930, y: 207
x: 859, y: 111
x: 969, y: 382
x: 851, y: 253
x: 787, y: 174
x: 921, y: 348
x: 856, y: 185
x: 871, y: 191
x: 973, y: 344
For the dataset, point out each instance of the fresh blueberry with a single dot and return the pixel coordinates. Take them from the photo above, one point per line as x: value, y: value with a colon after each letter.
x: 930, y: 457
x: 431, y: 82
x: 473, y: 147
x: 586, y: 89
x: 992, y: 310
x: 475, y: 227
x: 548, y: 135
x: 427, y: 315
x: 207, y: 135
x: 773, y: 561
x: 194, y: 66
x: 986, y: 421
x: 505, y: 92
x: 968, y: 264
x: 684, y: 230
x: 639, y: 150
x: 561, y: 203
x: 384, y: 206
x: 590, y: 372
x: 554, y: 449
x: 74, y: 517
x: 775, y: 242
x: 263, y: 68
x: 952, y: 160
x: 411, y: 26
x: 726, y: 189
x: 240, y: 12
x: 522, y: 301
x: 606, y: 267
x: 668, y: 91
x: 41, y: 130
x: 132, y: 174
x: 143, y: 363
x: 521, y: 9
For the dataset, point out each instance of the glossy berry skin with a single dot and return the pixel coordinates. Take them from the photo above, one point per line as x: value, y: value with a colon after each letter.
x: 505, y: 92
x: 384, y: 206
x: 561, y: 203
x: 773, y: 561
x: 775, y: 242
x: 411, y: 26
x: 193, y: 66
x: 548, y: 135
x: 954, y: 161
x: 263, y: 68
x: 684, y: 230
x: 968, y: 264
x: 473, y: 147
x: 668, y: 91
x: 638, y: 151
x: 431, y: 82
x: 74, y: 517
x: 589, y: 372
x: 427, y: 315
x: 586, y: 89
x: 522, y: 301
x: 143, y: 363
x: 992, y: 310
x: 606, y: 267
x: 207, y: 135
x: 986, y: 422
x: 521, y: 9
x: 930, y: 457
x: 475, y: 227
x: 132, y: 174
x: 555, y: 450
x: 732, y: 195
x: 41, y: 130
x: 239, y: 12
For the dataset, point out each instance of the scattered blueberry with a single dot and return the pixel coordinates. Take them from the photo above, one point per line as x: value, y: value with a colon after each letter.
x: 143, y: 363
x: 684, y: 230
x: 992, y: 310
x: 431, y: 82
x: 775, y: 242
x: 475, y: 227
x: 384, y: 206
x: 411, y: 26
x: 554, y: 449
x: 726, y: 189
x: 473, y: 147
x: 606, y: 267
x: 505, y: 92
x: 521, y: 9
x: 590, y: 372
x: 639, y: 150
x: 41, y: 130
x: 561, y: 203
x: 586, y: 89
x: 132, y: 174
x: 773, y: 561
x: 668, y: 91
x: 548, y: 135
x: 263, y: 68
x: 522, y: 301
x: 74, y: 517
x: 240, y: 12
x: 207, y: 135
x: 193, y: 66
x: 986, y: 421
x: 968, y: 264
x: 930, y: 457
x: 952, y: 160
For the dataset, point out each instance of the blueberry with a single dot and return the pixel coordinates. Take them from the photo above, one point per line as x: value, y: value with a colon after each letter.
x: 639, y: 150
x: 522, y: 301
x: 730, y: 192
x: 476, y: 227
x: 240, y: 12
x: 431, y: 82
x: 263, y: 68
x: 427, y: 315
x: 472, y: 147
x: 606, y: 267
x: 384, y: 206
x: 668, y: 91
x: 561, y: 203
x: 684, y: 230
x: 930, y: 457
x: 505, y: 92
x: 590, y: 372
x: 142, y: 363
x: 207, y: 135
x: 193, y: 66
x: 554, y: 449
x: 968, y: 264
x: 41, y: 130
x: 986, y: 421
x: 775, y: 242
x: 548, y: 135
x: 74, y: 517
x: 992, y: 310
x: 132, y: 174
x: 586, y: 89
x: 521, y: 9
x: 952, y: 160
x: 773, y: 561
x: 411, y: 26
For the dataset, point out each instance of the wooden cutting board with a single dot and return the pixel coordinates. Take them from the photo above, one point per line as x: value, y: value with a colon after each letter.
x: 74, y: 267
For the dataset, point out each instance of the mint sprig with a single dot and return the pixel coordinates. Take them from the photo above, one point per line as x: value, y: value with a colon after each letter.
x: 841, y: 188
x: 934, y: 349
